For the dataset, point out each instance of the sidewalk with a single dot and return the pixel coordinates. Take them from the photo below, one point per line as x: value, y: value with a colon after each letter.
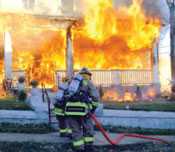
x: 142, y: 119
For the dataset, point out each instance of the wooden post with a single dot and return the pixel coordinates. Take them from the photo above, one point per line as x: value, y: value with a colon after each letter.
x: 155, y: 65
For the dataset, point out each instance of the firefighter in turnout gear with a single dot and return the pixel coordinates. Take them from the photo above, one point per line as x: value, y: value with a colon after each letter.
x: 64, y: 129
x: 84, y: 99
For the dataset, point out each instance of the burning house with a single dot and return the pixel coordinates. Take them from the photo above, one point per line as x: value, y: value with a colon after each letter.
x: 121, y: 41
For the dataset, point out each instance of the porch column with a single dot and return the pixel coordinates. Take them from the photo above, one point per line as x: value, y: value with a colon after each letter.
x: 69, y: 54
x: 8, y: 55
x: 156, y: 79
x: 165, y: 60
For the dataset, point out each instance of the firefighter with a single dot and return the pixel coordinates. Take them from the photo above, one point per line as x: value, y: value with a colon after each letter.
x: 82, y: 102
x: 59, y: 109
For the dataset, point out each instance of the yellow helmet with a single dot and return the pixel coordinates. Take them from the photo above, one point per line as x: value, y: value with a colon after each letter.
x: 85, y: 71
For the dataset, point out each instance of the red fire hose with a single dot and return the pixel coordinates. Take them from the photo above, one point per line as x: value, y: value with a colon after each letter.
x: 122, y: 136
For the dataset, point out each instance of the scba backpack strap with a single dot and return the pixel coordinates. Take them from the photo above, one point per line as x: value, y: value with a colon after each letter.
x: 75, y: 107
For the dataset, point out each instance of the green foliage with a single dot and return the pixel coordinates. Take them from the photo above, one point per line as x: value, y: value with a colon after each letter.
x: 22, y: 96
x: 13, y: 104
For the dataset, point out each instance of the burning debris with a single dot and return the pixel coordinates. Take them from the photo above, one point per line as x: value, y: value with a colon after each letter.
x: 131, y: 93
x: 111, y: 95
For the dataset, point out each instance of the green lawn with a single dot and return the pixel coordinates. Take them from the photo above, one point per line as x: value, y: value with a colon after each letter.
x: 145, y: 106
x: 139, y: 130
x: 26, y: 128
x: 11, y: 103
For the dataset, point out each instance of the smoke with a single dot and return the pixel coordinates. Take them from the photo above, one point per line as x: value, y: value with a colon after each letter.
x: 158, y: 8
x: 37, y: 7
x: 46, y: 7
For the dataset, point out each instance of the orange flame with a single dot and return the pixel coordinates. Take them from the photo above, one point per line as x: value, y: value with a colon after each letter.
x: 128, y: 96
x: 38, y: 46
x: 151, y: 92
x: 95, y: 19
x: 111, y: 95
x: 106, y: 38
x: 110, y: 38
x: 115, y: 96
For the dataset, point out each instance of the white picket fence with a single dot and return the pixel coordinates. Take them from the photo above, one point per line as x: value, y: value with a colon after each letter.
x: 107, y: 78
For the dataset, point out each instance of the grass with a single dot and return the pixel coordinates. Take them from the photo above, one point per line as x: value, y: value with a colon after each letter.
x: 11, y: 103
x: 139, y: 130
x: 26, y: 128
x: 46, y: 128
x: 144, y: 106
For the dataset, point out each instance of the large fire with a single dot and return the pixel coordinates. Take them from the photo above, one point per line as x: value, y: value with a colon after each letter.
x: 37, y: 49
x: 110, y: 38
x: 105, y: 38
